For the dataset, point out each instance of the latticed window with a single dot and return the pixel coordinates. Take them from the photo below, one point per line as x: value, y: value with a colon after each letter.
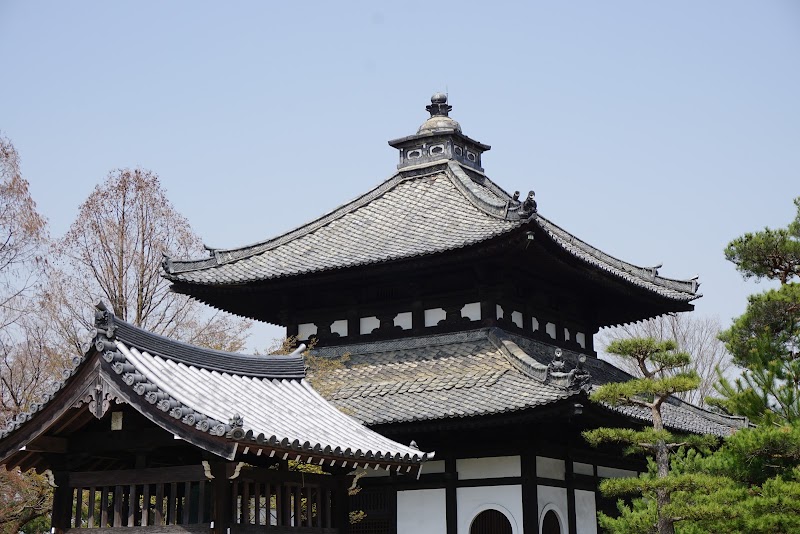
x: 374, y: 507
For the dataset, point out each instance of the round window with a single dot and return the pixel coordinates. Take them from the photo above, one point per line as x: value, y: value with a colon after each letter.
x: 551, y: 524
x: 490, y: 522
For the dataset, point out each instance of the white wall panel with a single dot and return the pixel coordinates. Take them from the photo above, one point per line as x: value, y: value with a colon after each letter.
x: 421, y: 512
x: 472, y: 311
x: 552, y: 498
x: 436, y: 466
x: 492, y: 467
x: 613, y: 472
x: 582, y: 469
x: 585, y: 512
x: 550, y: 468
x: 505, y: 499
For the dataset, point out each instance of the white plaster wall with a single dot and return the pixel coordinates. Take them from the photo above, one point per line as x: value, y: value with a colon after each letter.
x: 613, y: 472
x: 472, y: 311
x: 566, y: 334
x: 493, y: 467
x: 472, y: 501
x: 368, y: 324
x: 499, y: 311
x: 403, y: 320
x: 339, y: 327
x: 580, y: 338
x: 550, y: 468
x: 585, y: 512
x: 433, y: 467
x: 551, y: 498
x: 582, y: 469
x: 534, y: 324
x: 516, y: 318
x: 421, y: 512
x: 306, y: 330
x: 550, y: 328
x: 433, y: 316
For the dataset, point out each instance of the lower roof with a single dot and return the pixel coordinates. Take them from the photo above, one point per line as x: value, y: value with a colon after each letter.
x: 210, y: 399
x: 475, y: 373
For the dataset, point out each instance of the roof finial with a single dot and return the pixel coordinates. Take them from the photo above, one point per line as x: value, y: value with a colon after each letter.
x: 439, y: 106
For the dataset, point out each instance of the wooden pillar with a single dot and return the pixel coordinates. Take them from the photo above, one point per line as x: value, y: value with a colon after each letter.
x: 451, y: 495
x: 530, y: 493
x: 341, y: 505
x: 417, y: 316
x: 488, y: 311
x: 571, y: 514
x: 62, y: 503
x: 222, y: 512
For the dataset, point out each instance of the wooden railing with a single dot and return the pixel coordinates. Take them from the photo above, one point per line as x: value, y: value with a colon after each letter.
x: 182, y: 499
x: 140, y: 498
x: 280, y: 500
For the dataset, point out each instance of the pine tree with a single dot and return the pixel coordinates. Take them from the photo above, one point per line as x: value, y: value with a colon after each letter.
x: 765, y: 340
x: 656, y: 362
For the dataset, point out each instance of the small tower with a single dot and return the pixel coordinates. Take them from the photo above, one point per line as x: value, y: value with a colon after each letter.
x: 439, y: 138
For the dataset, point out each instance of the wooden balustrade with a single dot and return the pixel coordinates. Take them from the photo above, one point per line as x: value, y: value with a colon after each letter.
x: 278, y: 500
x: 181, y: 499
x: 140, y: 498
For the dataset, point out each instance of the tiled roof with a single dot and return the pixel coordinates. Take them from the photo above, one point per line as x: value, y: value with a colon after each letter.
x: 271, y: 408
x: 419, y: 211
x: 475, y: 373
x: 399, y: 219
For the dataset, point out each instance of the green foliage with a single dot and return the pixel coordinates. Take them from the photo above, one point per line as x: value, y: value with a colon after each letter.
x: 659, y: 364
x: 765, y: 340
x: 772, y: 254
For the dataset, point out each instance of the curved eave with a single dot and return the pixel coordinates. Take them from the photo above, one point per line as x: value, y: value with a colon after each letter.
x: 161, y: 395
x: 643, y: 277
x: 197, y: 399
x: 497, y: 214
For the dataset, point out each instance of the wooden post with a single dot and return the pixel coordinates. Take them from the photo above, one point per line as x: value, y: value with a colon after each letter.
x: 530, y: 493
x: 570, y: 479
x: 221, y: 488
x: 451, y: 496
x: 62, y: 503
x: 341, y: 505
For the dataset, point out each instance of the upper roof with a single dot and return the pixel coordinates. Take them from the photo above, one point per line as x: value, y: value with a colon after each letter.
x: 262, y: 403
x: 423, y: 210
x: 484, y: 372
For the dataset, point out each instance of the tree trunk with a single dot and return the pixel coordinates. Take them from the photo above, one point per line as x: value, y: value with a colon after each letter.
x: 665, y: 524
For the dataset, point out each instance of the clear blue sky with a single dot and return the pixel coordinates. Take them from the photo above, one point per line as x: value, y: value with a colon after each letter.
x: 655, y: 131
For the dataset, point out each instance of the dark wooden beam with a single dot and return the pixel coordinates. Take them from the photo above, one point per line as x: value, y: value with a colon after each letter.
x: 47, y: 444
x: 121, y: 440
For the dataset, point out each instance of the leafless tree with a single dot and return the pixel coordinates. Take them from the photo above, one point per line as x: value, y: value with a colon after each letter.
x: 113, y: 252
x: 697, y: 335
x: 27, y: 365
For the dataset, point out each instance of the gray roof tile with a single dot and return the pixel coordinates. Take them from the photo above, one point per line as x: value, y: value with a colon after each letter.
x: 433, y: 209
x: 230, y: 395
x: 469, y: 374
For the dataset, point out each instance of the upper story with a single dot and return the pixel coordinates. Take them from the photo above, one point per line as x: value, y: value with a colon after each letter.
x: 438, y: 247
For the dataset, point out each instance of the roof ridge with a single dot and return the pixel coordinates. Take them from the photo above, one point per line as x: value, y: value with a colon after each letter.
x: 223, y: 256
x: 450, y: 168
x: 469, y: 187
x: 262, y: 366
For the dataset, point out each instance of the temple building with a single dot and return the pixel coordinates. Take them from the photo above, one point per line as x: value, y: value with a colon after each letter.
x: 147, y: 434
x: 461, y: 318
